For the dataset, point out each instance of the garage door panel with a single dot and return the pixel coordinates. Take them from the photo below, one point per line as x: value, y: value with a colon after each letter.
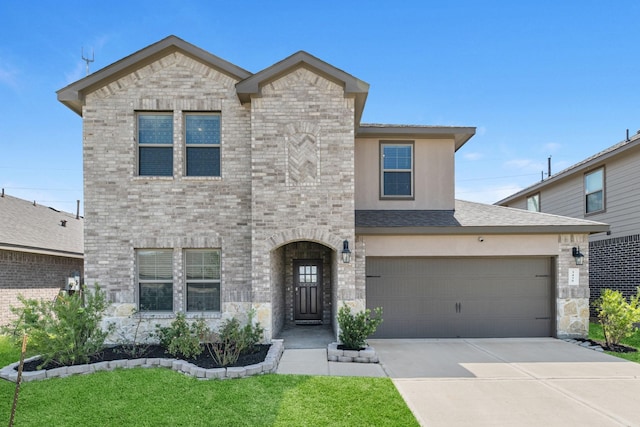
x: 461, y: 297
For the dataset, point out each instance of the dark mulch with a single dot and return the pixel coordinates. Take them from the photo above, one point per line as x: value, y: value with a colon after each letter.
x: 618, y: 348
x: 204, y: 360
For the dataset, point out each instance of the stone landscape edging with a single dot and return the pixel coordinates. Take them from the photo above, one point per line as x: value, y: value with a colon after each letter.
x: 269, y: 365
x: 367, y: 355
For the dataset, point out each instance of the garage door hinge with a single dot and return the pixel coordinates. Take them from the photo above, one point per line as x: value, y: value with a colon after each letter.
x: 372, y: 276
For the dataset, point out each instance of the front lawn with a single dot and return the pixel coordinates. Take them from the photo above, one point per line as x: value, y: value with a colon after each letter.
x: 595, y: 333
x: 161, y: 397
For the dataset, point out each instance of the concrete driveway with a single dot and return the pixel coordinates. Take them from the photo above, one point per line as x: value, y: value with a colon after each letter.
x: 511, y: 382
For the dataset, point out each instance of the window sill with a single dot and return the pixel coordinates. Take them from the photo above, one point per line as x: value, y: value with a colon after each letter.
x: 171, y: 315
x: 152, y: 178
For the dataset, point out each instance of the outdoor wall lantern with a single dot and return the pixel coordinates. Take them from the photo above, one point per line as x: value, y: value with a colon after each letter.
x: 578, y: 255
x: 346, y: 253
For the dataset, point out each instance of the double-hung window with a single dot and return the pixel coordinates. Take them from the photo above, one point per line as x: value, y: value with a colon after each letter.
x: 155, y: 279
x: 155, y: 144
x: 202, y: 136
x: 533, y: 203
x: 594, y: 191
x: 203, y: 279
x: 396, y: 164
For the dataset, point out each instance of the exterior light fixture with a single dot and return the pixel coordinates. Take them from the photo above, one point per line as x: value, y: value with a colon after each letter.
x: 578, y: 255
x: 346, y: 253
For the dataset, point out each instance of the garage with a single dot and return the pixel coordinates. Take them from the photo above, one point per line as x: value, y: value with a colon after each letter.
x: 469, y: 297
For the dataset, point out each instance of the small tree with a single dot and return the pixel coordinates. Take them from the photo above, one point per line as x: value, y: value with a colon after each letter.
x: 356, y: 328
x: 65, y: 331
x: 617, y: 315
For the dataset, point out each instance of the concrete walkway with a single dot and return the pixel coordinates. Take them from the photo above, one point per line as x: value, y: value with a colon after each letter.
x: 314, y: 362
x: 512, y: 382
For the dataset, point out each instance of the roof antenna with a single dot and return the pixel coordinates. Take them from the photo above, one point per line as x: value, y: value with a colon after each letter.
x: 548, y: 170
x: 87, y: 60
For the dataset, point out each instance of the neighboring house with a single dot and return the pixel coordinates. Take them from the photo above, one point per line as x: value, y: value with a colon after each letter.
x: 40, y: 248
x: 604, y: 187
x: 214, y: 191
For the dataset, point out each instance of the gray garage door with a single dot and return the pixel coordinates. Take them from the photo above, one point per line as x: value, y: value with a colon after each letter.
x: 461, y: 297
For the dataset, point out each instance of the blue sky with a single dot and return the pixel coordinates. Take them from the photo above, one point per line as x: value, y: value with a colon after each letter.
x: 537, y: 78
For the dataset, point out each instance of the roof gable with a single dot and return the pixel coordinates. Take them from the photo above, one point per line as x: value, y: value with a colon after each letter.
x: 581, y: 167
x: 73, y: 95
x: 353, y: 86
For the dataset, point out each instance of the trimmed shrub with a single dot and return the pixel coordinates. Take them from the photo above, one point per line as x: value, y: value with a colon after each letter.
x: 617, y: 315
x: 182, y: 339
x: 356, y: 328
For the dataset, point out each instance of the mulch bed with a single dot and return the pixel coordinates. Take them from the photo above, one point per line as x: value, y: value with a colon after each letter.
x: 620, y: 348
x: 204, y: 360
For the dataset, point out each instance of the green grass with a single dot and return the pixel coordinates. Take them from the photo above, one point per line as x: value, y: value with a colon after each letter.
x: 595, y: 333
x: 161, y: 397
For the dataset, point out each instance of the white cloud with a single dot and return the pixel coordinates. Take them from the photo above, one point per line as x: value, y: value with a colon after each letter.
x: 489, y: 194
x: 8, y: 76
x: 77, y: 73
x: 552, y: 147
x: 525, y: 165
x: 473, y: 156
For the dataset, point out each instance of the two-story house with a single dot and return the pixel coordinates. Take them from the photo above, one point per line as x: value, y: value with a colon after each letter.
x: 214, y: 191
x: 604, y: 187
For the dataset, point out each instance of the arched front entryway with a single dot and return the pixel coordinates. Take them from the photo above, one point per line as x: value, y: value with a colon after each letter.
x: 303, y: 292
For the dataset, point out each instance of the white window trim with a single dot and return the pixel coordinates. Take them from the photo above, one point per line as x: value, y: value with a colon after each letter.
x: 584, y: 182
x: 384, y: 144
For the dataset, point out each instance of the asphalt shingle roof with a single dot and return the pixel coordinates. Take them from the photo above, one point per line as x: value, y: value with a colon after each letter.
x: 25, y: 227
x: 470, y: 217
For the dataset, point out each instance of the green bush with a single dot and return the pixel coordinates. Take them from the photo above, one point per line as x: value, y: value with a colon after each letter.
x: 182, y: 339
x: 65, y: 331
x: 356, y: 328
x: 617, y: 315
x: 232, y: 340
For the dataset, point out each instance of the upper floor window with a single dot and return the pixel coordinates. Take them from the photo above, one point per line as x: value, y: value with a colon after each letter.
x: 155, y: 279
x: 203, y: 279
x: 533, y: 203
x: 202, y: 137
x: 594, y: 191
x: 155, y: 144
x: 396, y: 178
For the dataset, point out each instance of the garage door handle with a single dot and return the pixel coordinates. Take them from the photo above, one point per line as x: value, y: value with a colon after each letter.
x: 543, y: 318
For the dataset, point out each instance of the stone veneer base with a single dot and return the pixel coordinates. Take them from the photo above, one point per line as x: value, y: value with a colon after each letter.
x: 368, y: 355
x: 269, y: 365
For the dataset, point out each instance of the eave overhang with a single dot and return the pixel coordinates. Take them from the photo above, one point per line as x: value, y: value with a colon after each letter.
x: 353, y: 87
x: 74, y: 94
x: 460, y: 134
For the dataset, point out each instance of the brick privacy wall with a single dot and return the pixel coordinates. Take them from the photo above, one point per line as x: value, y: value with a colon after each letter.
x: 613, y: 264
x: 32, y: 276
x: 124, y: 212
x: 302, y: 172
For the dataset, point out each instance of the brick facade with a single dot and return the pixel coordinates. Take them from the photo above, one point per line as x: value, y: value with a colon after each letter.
x: 287, y: 171
x: 32, y: 276
x: 614, y: 264
x: 125, y: 212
